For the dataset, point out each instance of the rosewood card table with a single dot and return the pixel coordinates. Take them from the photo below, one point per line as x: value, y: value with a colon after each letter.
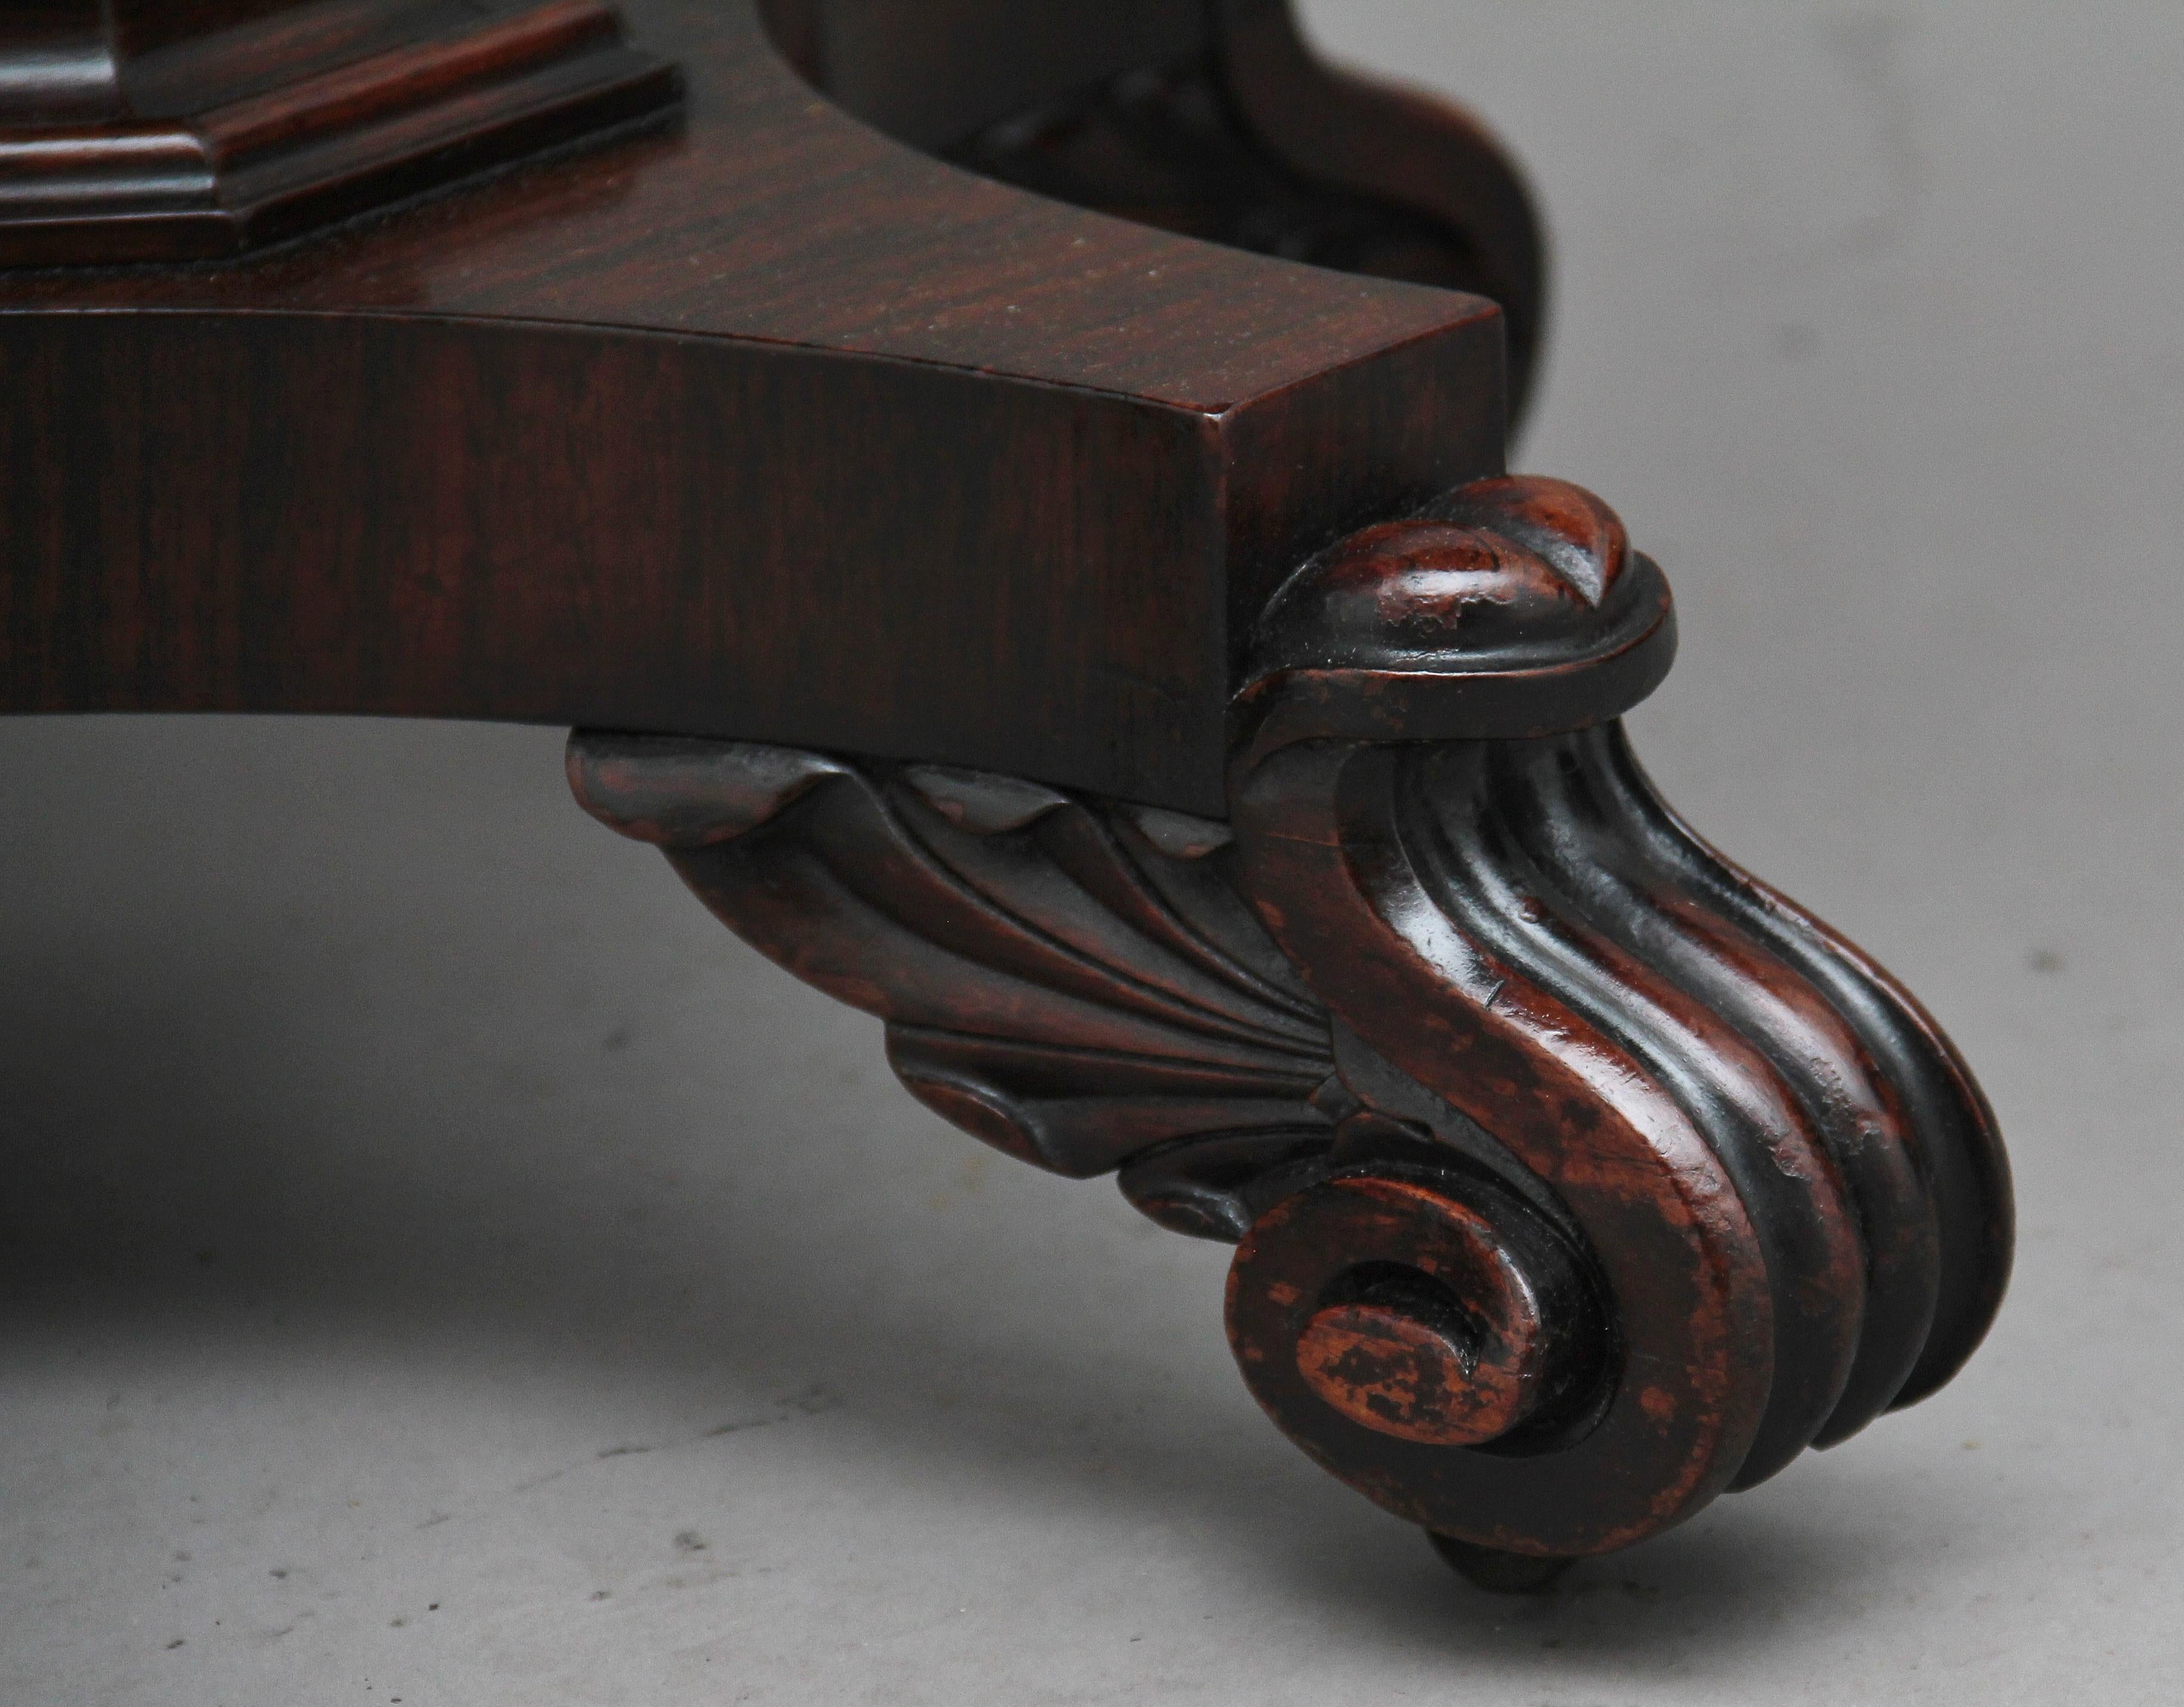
x: 1012, y: 498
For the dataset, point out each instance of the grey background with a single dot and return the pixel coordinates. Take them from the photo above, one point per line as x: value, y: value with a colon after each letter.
x: 441, y: 1265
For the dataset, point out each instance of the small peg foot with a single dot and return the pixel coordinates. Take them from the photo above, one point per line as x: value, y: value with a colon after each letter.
x: 1498, y: 1572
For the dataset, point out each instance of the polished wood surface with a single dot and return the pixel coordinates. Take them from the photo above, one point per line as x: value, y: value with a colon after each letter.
x: 1119, y: 660
x: 153, y: 130
x: 1214, y: 120
x: 773, y: 428
x: 1576, y: 1177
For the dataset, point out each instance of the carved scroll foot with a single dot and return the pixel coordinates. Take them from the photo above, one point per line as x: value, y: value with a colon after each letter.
x: 1575, y: 1176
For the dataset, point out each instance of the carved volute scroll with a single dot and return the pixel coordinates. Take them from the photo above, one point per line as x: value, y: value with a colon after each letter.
x: 1574, y: 1176
x: 1787, y: 1188
x: 1577, y: 1176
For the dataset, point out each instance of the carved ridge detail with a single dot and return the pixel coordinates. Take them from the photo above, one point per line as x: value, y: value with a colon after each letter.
x: 1577, y: 1177
x: 1793, y: 1192
x: 1074, y: 982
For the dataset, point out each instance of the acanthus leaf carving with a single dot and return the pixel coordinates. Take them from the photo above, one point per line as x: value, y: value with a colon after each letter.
x: 1576, y: 1176
x: 1074, y: 982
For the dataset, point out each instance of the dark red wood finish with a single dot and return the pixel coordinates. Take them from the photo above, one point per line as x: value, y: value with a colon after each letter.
x: 148, y: 131
x: 1119, y: 661
x: 773, y: 429
x: 1578, y: 1178
x: 1212, y: 120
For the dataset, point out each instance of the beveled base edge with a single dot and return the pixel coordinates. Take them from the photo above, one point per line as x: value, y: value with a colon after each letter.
x: 326, y: 146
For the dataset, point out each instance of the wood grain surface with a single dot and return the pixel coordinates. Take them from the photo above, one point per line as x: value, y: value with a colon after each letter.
x: 183, y: 130
x: 773, y: 428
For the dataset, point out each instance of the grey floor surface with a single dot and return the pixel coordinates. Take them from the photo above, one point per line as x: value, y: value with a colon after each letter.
x: 438, y: 1265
